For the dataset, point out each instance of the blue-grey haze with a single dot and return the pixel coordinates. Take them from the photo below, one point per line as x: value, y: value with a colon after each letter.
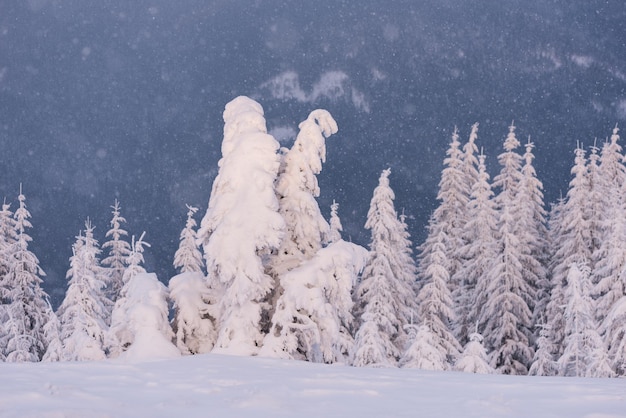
x: 122, y: 99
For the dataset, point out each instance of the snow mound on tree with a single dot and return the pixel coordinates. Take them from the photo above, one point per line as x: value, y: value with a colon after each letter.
x: 146, y: 320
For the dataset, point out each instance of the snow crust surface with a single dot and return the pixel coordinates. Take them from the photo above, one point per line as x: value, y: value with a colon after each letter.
x: 232, y: 386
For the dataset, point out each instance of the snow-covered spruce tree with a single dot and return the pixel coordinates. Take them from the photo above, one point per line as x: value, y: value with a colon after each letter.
x: 313, y: 316
x: 584, y: 352
x: 119, y: 338
x: 470, y: 160
x: 334, y: 234
x: 85, y: 310
x: 480, y: 235
x: 609, y: 275
x: 297, y: 188
x: 194, y: 313
x: 505, y: 320
x: 543, y: 362
x: 614, y: 331
x: 242, y: 226
x: 188, y: 257
x: 118, y: 250
x: 134, y: 260
x: 450, y: 215
x: 422, y: 352
x: 474, y: 358
x: 436, y: 311
x: 385, y: 295
x: 140, y: 320
x: 597, y: 206
x: 7, y: 239
x: 571, y: 241
x: 27, y: 306
x: 52, y: 334
x: 532, y: 232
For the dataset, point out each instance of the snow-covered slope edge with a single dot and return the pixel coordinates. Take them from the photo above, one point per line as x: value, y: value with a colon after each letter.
x: 218, y: 385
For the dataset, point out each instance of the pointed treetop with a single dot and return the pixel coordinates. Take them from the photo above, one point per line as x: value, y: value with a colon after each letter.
x: 511, y: 142
x: 384, y: 177
x: 191, y: 210
x: 473, y: 133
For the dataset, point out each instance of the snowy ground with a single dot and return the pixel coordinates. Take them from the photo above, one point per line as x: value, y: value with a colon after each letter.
x: 225, y: 386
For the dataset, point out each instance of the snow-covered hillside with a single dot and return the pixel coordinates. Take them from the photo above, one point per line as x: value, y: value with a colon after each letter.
x: 228, y: 386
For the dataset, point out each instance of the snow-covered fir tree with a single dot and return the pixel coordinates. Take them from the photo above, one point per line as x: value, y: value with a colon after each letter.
x: 531, y: 231
x: 480, y: 235
x: 194, y: 313
x: 571, y: 241
x: 52, y: 334
x: 313, y: 316
x: 297, y: 188
x: 242, y: 227
x: 436, y: 311
x: 584, y: 352
x: 385, y: 295
x: 85, y: 310
x: 135, y: 259
x: 7, y: 239
x: 118, y: 250
x: 543, y: 363
x: 474, y: 358
x: 609, y: 275
x: 27, y: 307
x: 505, y: 320
x: 140, y: 325
x: 422, y: 351
x: 613, y: 328
x: 118, y: 338
x: 188, y: 257
x: 450, y: 215
x: 334, y: 233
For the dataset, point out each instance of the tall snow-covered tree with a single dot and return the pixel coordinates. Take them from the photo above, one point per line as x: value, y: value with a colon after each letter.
x: 188, y: 257
x: 7, y: 239
x: 84, y: 312
x: 609, y: 275
x: 27, y: 307
x: 531, y: 230
x: 450, y: 215
x: 118, y: 250
x: 572, y: 244
x: 584, y: 352
x: 242, y: 226
x: 436, y: 311
x: 297, y: 188
x: 505, y: 320
x: 385, y: 295
x: 313, y: 316
x: 480, y: 235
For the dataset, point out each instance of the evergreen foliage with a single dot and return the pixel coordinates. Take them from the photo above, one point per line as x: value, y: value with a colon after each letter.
x: 385, y: 295
x: 188, y: 257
